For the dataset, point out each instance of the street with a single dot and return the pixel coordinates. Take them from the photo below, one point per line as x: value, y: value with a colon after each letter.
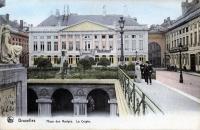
x: 190, y: 85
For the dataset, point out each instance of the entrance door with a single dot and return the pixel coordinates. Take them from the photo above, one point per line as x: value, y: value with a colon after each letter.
x: 87, y: 45
x: 192, y: 62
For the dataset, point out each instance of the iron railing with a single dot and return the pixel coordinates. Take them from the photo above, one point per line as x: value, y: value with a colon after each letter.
x: 138, y: 102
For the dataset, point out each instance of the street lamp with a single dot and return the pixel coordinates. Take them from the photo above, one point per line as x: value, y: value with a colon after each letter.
x: 181, y: 75
x: 121, y: 24
x: 136, y: 55
x: 165, y: 58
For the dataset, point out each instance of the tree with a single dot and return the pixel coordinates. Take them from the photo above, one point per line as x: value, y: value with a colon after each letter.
x: 43, y: 63
x: 85, y: 62
x: 104, y: 62
x: 92, y: 61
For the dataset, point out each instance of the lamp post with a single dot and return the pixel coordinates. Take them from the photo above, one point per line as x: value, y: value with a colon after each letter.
x: 181, y: 75
x: 136, y: 56
x: 121, y: 24
x: 165, y: 58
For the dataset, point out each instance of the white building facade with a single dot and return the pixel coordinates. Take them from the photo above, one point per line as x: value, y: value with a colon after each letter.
x: 91, y: 35
x: 185, y: 31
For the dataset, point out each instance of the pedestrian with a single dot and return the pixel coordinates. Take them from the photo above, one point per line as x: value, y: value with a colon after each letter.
x: 145, y: 73
x: 138, y: 73
x: 142, y: 70
x: 150, y: 71
x: 65, y: 67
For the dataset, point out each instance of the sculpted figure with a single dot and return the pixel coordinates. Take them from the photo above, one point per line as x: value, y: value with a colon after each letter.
x: 8, y: 53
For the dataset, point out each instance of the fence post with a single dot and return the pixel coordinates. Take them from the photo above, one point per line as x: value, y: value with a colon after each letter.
x: 143, y: 103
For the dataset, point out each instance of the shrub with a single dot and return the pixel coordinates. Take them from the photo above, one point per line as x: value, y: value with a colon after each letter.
x: 104, y: 62
x: 130, y: 67
x: 85, y: 63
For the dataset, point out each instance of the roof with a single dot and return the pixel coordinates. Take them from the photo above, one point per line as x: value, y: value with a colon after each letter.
x: 192, y: 13
x: 67, y: 20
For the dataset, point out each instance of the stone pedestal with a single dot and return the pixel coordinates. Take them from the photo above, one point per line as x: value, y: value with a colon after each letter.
x: 113, y: 107
x: 80, y: 107
x: 44, y: 107
x: 13, y: 90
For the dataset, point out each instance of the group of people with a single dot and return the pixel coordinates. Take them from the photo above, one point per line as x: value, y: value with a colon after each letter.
x: 144, y: 71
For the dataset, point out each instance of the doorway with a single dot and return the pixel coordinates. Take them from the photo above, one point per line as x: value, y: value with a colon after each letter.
x: 192, y: 62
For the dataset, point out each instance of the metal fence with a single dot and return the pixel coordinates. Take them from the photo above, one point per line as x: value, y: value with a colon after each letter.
x: 138, y: 102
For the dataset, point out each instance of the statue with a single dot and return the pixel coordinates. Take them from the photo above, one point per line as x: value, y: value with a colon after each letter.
x: 9, y: 54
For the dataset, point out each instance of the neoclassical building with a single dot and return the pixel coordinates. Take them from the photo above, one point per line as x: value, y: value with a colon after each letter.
x: 71, y: 37
x: 185, y: 31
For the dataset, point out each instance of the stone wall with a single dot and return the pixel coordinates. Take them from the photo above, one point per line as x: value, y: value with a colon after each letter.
x: 13, y: 90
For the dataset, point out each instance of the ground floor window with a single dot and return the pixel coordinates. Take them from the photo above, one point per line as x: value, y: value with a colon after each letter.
x: 77, y: 58
x: 70, y: 60
x: 96, y: 58
x: 111, y: 59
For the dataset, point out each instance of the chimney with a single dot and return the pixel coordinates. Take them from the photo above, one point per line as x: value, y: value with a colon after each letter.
x: 7, y: 18
x: 21, y: 25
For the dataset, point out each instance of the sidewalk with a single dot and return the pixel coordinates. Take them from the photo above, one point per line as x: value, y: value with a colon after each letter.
x: 192, y: 73
x: 168, y: 99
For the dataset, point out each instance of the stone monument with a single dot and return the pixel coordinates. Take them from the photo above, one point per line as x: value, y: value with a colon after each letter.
x: 13, y: 77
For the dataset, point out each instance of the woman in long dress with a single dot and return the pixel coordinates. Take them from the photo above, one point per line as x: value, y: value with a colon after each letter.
x: 8, y: 53
x: 138, y: 73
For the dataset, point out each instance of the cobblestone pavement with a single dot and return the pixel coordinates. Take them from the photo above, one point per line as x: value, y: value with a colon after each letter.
x: 190, y: 86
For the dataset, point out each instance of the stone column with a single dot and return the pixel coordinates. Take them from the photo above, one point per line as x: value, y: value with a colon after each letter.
x: 44, y: 106
x: 80, y: 106
x: 113, y: 107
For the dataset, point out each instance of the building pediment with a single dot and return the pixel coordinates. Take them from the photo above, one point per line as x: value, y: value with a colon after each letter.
x: 86, y: 26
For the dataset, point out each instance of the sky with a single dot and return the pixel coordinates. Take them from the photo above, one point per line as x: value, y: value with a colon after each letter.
x: 146, y: 11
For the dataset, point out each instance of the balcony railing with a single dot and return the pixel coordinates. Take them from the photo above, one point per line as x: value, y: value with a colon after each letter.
x: 138, y: 102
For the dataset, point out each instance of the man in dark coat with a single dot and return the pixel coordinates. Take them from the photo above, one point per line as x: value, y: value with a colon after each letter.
x: 150, y: 71
x: 142, y: 70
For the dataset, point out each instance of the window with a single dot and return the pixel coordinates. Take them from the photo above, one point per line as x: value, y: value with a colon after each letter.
x: 126, y: 36
x: 63, y: 36
x: 141, y: 45
x: 103, y: 45
x: 119, y: 44
x: 126, y: 59
x: 35, y: 37
x: 96, y: 44
x: 103, y: 36
x: 77, y: 45
x: 70, y: 46
x: 77, y: 58
x: 126, y: 44
x: 111, y: 59
x: 42, y: 46
x: 111, y: 45
x: 195, y: 38
x: 55, y: 46
x: 41, y: 37
x: 70, y: 36
x: 77, y: 36
x: 140, y: 36
x: 95, y: 36
x: 48, y: 37
x: 87, y: 36
x: 96, y: 58
x: 35, y: 46
x: 48, y: 46
x: 49, y: 58
x: 55, y: 37
x: 191, y: 39
x: 34, y: 59
x: 133, y: 36
x: 133, y: 44
x: 64, y: 45
x: 187, y: 40
x: 186, y: 29
x: 70, y: 59
x: 55, y: 59
x: 110, y: 36
x: 183, y: 41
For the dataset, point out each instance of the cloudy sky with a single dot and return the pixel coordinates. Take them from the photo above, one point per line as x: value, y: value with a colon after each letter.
x: 146, y: 11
